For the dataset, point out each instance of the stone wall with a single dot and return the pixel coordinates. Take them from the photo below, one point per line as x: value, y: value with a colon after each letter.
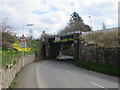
x: 93, y: 53
x: 101, y: 55
x: 9, y: 74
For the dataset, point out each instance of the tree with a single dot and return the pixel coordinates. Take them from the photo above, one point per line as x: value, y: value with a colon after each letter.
x: 75, y: 17
x: 44, y: 35
x: 76, y: 24
x: 4, y: 27
x: 6, y: 33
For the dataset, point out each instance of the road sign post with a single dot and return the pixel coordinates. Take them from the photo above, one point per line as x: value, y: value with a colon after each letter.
x: 23, y: 56
x: 23, y: 44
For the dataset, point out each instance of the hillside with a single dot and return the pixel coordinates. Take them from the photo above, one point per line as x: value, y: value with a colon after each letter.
x: 107, y: 38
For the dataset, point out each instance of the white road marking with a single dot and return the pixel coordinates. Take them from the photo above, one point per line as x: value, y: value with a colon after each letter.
x: 98, y: 85
x: 72, y: 73
x: 39, y: 84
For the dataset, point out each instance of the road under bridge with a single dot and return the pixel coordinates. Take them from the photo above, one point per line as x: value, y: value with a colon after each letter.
x: 57, y: 45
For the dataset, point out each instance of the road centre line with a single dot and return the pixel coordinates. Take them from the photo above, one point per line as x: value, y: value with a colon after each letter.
x: 98, y: 85
x: 89, y: 81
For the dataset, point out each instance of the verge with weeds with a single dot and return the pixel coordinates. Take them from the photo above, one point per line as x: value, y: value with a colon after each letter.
x: 110, y: 70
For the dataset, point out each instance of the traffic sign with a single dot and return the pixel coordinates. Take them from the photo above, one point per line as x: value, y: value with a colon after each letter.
x: 57, y: 39
x: 23, y: 39
x: 23, y: 42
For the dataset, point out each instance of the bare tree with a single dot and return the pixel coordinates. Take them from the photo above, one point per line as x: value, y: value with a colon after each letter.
x: 76, y: 24
x: 4, y: 27
x: 6, y: 33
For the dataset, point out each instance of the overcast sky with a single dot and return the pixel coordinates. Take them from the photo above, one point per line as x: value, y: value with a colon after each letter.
x: 53, y: 15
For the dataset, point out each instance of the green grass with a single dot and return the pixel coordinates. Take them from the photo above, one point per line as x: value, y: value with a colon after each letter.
x: 110, y: 70
x: 34, y: 44
x: 13, y: 85
x: 8, y: 56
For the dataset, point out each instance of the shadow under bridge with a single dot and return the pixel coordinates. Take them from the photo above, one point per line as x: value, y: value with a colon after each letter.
x: 60, y: 47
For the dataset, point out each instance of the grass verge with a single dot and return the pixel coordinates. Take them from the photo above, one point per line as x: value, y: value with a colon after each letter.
x: 13, y: 85
x: 110, y: 70
x: 8, y: 56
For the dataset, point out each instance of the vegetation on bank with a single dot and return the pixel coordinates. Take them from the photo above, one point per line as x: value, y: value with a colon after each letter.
x: 103, y: 38
x: 14, y: 83
x: 110, y: 70
x: 11, y: 49
x: 11, y: 56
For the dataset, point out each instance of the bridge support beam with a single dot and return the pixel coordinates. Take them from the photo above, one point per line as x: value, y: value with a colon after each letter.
x: 76, y: 45
x: 51, y: 50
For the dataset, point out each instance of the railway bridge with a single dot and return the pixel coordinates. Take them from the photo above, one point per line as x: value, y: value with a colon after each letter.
x: 56, y: 45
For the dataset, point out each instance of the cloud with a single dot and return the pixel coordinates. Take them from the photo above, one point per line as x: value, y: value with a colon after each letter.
x: 55, y: 14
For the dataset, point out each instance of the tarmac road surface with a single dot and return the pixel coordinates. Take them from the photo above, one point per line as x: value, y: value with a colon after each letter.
x: 60, y: 74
